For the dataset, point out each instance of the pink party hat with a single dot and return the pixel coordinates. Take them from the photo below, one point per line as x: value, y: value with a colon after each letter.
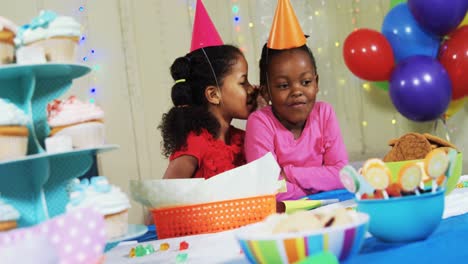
x: 204, y: 32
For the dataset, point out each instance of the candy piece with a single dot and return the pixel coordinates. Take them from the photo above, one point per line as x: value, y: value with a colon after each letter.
x: 132, y: 253
x: 149, y: 249
x: 366, y: 196
x: 181, y: 257
x: 369, y: 163
x: 378, y: 194
x: 183, y: 245
x: 452, y: 156
x: 140, y: 251
x: 410, y: 177
x: 394, y: 190
x: 348, y: 177
x: 164, y: 246
x: 364, y: 186
x: 378, y: 176
x: 436, y: 163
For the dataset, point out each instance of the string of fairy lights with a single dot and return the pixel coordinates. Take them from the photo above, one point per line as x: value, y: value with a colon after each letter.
x: 87, y: 53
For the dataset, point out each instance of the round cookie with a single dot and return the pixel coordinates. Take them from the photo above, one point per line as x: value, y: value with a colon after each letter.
x: 392, y: 142
x: 439, y: 141
x: 394, y: 155
x: 413, y: 146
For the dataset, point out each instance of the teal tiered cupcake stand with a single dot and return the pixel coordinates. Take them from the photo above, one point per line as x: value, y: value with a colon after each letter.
x: 36, y: 184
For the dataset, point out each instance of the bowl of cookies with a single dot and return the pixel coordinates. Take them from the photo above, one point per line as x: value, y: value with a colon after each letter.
x: 414, y: 147
x: 403, y: 206
x: 283, y: 238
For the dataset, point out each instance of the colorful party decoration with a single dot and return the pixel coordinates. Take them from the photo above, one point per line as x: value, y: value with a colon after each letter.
x: 420, y: 88
x: 453, y: 56
x: 285, y: 30
x: 465, y: 20
x: 423, y: 54
x: 394, y: 3
x: 368, y: 55
x: 439, y: 17
x: 453, y: 108
x: 204, y: 33
x: 75, y: 237
x: 406, y: 36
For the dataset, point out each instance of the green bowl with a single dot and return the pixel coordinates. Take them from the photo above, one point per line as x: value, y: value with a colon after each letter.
x: 452, y: 181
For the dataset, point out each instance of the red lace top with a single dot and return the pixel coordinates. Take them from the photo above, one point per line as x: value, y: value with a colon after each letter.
x: 213, y: 155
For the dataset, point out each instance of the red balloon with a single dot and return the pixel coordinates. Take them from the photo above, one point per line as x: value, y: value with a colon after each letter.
x: 368, y: 55
x: 453, y: 55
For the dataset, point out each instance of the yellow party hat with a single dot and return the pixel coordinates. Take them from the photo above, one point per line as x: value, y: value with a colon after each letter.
x: 286, y: 32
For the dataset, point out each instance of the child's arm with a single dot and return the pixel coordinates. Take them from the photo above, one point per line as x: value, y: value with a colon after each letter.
x: 259, y: 140
x: 181, y: 167
x: 335, y: 157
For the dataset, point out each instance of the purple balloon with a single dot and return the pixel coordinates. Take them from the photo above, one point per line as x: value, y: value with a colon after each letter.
x: 420, y: 88
x: 439, y: 17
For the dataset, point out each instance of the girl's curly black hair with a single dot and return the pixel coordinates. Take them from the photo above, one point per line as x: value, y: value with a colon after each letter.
x: 192, y: 75
x: 268, y: 53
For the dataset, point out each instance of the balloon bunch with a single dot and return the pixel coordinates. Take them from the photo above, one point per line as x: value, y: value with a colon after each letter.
x: 422, y: 52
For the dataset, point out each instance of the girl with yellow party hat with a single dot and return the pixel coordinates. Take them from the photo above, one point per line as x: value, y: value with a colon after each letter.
x: 303, y: 134
x: 210, y: 89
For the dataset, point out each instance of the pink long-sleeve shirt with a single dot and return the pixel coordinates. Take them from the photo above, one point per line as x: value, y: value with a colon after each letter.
x: 311, y: 162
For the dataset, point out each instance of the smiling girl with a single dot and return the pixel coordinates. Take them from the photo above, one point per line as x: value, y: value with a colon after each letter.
x: 302, y: 134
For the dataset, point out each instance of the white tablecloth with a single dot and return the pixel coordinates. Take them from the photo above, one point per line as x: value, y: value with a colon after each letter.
x: 223, y: 248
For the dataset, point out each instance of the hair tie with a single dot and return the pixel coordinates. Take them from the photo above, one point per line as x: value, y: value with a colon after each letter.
x: 180, y: 81
x: 182, y: 106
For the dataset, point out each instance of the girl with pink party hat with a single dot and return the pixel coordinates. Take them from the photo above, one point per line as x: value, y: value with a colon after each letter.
x: 303, y: 134
x: 210, y: 89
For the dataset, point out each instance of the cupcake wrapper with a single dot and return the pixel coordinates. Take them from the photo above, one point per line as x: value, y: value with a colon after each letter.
x: 58, y: 49
x: 7, y: 53
x: 13, y: 147
x: 116, y: 224
x: 58, y: 144
x: 85, y: 135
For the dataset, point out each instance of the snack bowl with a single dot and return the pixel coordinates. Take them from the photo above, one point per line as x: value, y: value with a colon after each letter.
x: 406, y: 218
x: 451, y: 182
x: 261, y: 246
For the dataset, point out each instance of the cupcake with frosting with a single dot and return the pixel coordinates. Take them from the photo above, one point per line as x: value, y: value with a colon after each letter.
x: 83, y: 122
x: 13, y: 131
x: 7, y: 36
x: 107, y: 199
x: 8, y: 216
x: 57, y: 35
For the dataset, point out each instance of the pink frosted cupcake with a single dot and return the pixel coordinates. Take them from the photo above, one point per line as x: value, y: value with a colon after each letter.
x: 83, y: 122
x: 58, y: 36
x: 7, y: 35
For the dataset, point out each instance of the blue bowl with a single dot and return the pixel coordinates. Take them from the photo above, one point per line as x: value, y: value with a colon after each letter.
x: 404, y: 219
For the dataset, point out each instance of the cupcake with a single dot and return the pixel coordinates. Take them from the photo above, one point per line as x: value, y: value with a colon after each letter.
x: 83, y: 122
x: 8, y: 216
x: 107, y: 199
x: 13, y: 131
x: 57, y: 35
x: 7, y: 36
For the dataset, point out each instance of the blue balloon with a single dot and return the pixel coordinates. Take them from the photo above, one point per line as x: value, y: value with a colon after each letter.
x: 406, y: 36
x: 439, y: 17
x: 420, y: 88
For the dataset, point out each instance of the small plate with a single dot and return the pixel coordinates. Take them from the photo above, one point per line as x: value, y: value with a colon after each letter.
x: 134, y: 231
